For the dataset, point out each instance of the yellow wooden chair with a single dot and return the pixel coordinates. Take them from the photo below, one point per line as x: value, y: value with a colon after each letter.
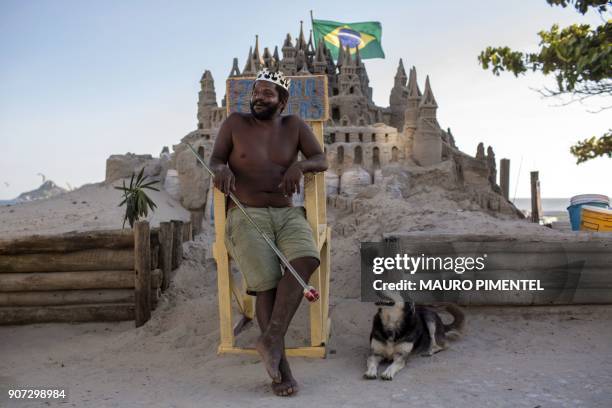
x: 315, y: 204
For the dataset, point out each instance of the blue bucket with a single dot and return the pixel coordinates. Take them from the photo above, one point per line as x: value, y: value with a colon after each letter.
x: 575, y: 213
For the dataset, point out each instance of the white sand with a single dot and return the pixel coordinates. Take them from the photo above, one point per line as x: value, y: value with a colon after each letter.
x: 514, y: 357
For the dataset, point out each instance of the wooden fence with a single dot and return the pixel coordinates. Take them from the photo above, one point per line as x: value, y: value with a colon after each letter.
x: 89, y: 276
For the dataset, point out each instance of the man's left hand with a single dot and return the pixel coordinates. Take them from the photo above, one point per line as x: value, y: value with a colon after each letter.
x: 291, y: 180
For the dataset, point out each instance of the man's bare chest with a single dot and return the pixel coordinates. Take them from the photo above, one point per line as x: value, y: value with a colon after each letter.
x: 263, y: 149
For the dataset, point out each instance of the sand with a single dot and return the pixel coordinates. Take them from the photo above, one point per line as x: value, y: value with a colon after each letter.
x: 514, y: 357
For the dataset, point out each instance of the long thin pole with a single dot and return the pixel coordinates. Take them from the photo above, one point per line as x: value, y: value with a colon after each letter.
x: 310, y: 293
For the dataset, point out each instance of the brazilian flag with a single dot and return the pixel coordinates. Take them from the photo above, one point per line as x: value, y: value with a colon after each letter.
x: 365, y: 36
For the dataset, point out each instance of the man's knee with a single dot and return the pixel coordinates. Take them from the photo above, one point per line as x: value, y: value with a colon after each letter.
x: 306, y: 264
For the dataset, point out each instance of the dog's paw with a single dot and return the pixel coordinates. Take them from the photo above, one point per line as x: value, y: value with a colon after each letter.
x: 369, y: 376
x: 387, y: 375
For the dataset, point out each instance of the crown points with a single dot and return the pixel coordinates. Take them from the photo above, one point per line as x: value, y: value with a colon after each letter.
x: 277, y: 78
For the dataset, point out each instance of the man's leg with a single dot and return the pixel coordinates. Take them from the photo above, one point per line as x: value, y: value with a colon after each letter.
x: 263, y: 309
x: 289, y: 293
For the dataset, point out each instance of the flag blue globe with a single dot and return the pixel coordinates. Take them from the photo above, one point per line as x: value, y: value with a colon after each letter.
x: 348, y: 37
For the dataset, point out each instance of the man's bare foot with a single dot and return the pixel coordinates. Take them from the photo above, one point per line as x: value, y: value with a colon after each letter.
x: 288, y: 385
x: 270, y: 349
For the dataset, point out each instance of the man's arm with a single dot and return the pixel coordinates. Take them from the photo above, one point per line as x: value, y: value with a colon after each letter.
x: 224, y: 178
x: 315, y: 160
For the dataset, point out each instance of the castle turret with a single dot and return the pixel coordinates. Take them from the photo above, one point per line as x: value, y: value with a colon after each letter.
x: 267, y: 58
x: 398, y: 100
x: 275, y: 58
x: 235, y: 71
x: 363, y: 76
x: 249, y: 70
x: 301, y: 41
x: 257, y: 61
x: 411, y: 114
x: 320, y: 64
x: 207, y: 100
x: 427, y: 144
x: 288, y: 64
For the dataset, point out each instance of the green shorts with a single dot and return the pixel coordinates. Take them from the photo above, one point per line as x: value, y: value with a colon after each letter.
x: 287, y: 227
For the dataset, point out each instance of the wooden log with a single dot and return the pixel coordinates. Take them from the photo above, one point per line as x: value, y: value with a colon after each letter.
x: 17, y: 282
x: 86, y: 260
x: 177, y: 243
x: 536, y: 200
x: 165, y: 252
x: 70, y: 313
x: 156, y: 278
x: 67, y: 297
x: 197, y: 217
x: 187, y: 231
x: 504, y: 177
x: 154, y: 256
x: 69, y: 242
x: 142, y: 267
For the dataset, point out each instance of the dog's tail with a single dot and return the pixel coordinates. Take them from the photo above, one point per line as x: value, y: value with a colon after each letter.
x: 455, y: 328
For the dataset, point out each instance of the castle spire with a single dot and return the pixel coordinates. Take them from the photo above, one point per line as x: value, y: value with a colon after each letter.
x: 301, y: 42
x: 235, y: 71
x: 349, y: 59
x: 275, y: 55
x: 267, y: 58
x: 428, y: 100
x: 358, y: 61
x: 340, y: 61
x: 413, y: 88
x: 248, y: 67
x: 400, y: 75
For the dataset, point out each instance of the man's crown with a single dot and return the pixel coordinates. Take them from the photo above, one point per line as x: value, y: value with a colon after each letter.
x: 277, y: 78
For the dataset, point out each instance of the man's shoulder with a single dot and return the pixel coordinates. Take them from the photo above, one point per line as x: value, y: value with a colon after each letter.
x: 291, y: 119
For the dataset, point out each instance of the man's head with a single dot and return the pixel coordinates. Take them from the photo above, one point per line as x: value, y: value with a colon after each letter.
x: 270, y: 94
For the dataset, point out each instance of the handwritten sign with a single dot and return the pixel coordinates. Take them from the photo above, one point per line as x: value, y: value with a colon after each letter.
x: 307, y: 96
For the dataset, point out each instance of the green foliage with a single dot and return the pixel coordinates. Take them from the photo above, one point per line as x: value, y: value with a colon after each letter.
x: 578, y: 56
x: 136, y: 200
x: 593, y: 147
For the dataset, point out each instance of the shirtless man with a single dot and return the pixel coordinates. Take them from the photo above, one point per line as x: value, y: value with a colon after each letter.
x: 255, y: 156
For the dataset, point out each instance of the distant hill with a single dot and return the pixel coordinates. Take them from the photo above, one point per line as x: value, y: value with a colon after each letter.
x: 46, y: 190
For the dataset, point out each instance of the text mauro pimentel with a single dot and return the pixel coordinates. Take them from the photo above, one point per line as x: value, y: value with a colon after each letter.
x: 460, y: 264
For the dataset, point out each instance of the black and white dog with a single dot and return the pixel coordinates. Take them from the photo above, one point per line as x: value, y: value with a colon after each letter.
x: 401, y: 328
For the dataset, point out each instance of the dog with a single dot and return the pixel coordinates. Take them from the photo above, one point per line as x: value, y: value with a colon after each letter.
x: 401, y: 328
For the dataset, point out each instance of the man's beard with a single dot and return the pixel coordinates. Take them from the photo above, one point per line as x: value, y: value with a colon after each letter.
x: 267, y: 113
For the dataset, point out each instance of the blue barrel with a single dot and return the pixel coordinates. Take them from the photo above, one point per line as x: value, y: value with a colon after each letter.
x: 577, y: 202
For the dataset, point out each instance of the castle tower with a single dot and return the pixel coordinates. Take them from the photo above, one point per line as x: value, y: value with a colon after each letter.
x: 257, y: 61
x: 267, y: 58
x: 235, y: 72
x: 301, y: 41
x: 319, y: 64
x: 310, y: 52
x: 363, y: 76
x: 249, y: 70
x: 398, y: 100
x: 276, y: 58
x: 411, y: 114
x: 288, y: 64
x: 427, y: 144
x: 207, y: 100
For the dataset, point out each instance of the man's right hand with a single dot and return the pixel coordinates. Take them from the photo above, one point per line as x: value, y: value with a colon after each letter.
x: 224, y: 180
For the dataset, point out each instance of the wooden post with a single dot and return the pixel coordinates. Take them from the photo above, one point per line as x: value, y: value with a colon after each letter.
x: 196, y: 221
x: 177, y: 243
x: 165, y: 252
x: 142, y: 267
x: 504, y: 177
x: 187, y: 231
x: 536, y: 200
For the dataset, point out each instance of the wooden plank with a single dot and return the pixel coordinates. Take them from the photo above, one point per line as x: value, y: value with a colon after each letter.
x: 504, y: 177
x: 86, y: 260
x: 69, y: 242
x: 142, y: 268
x: 19, y: 282
x: 536, y: 199
x: 165, y: 252
x: 71, y: 313
x: 187, y: 231
x: 223, y: 271
x: 325, y: 284
x: 67, y: 297
x: 312, y: 352
x: 177, y: 243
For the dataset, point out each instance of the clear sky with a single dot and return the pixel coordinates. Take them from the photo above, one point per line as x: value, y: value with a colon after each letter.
x: 81, y: 80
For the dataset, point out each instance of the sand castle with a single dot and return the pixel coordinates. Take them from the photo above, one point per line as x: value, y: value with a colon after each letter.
x: 364, y: 142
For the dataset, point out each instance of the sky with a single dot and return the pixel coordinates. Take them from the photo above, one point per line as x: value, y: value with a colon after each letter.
x: 82, y: 80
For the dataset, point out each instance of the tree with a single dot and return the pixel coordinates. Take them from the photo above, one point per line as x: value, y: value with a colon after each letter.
x: 579, y: 57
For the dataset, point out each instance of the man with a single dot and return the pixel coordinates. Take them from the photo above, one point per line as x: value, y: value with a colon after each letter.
x: 255, y: 157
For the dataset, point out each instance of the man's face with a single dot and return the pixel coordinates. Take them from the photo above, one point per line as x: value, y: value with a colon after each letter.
x: 265, y: 100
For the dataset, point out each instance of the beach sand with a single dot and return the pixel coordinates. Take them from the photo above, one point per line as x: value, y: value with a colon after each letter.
x: 508, y: 357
